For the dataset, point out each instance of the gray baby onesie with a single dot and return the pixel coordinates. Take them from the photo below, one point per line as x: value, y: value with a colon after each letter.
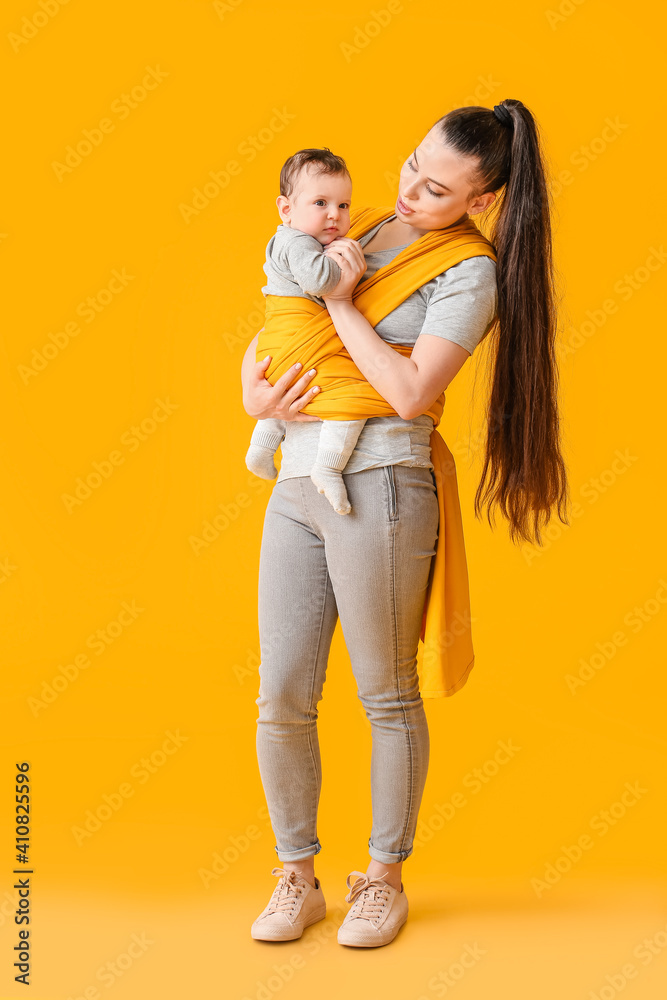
x: 297, y: 265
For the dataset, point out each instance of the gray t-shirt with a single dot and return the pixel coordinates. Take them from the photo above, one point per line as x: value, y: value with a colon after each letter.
x: 459, y: 305
x: 296, y: 265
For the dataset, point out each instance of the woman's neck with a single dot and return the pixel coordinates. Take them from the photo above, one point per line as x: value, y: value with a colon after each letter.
x: 395, y: 233
x: 392, y: 234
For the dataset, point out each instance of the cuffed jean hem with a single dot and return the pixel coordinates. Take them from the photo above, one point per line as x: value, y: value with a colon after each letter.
x: 304, y: 852
x: 385, y: 858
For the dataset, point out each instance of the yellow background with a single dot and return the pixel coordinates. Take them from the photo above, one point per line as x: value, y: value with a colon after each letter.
x: 186, y: 663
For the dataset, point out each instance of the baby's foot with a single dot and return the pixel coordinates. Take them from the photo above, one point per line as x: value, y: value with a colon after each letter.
x: 330, y: 482
x: 260, y: 461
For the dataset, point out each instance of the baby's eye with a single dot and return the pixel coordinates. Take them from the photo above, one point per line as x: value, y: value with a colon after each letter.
x: 344, y: 204
x: 411, y: 164
x: 320, y: 201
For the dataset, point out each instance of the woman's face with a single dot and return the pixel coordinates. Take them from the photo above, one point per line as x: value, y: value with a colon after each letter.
x: 435, y: 187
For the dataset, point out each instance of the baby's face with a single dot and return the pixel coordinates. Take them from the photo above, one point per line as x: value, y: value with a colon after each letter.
x: 319, y: 204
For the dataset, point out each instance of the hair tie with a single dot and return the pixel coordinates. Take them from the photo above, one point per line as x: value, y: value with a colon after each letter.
x: 502, y: 114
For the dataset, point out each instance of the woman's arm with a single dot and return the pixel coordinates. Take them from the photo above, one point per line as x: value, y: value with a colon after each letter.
x: 411, y: 384
x: 281, y: 401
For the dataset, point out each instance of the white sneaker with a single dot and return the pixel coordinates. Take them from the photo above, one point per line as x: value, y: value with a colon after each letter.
x: 294, y: 905
x: 377, y: 913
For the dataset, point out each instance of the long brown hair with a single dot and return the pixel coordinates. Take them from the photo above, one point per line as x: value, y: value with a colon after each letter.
x: 524, y: 472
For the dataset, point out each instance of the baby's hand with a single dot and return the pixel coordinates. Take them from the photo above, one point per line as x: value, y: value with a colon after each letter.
x: 340, y: 242
x: 349, y: 256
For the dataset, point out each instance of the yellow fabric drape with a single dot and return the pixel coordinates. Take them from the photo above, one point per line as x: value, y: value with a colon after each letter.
x: 298, y: 329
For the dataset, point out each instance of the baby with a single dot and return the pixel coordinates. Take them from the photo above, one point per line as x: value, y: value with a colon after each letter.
x: 314, y: 204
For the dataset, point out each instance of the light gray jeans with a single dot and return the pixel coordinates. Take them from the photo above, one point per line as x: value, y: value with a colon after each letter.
x: 371, y: 567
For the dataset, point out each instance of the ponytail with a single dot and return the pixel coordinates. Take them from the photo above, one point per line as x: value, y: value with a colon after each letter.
x: 524, y: 472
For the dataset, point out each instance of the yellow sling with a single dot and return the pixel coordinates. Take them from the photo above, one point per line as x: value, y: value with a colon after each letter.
x: 298, y: 329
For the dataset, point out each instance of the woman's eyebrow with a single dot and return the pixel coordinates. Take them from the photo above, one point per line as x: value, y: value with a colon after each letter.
x: 439, y: 183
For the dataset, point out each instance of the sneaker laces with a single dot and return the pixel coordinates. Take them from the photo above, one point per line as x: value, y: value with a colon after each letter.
x: 287, y: 892
x: 368, y: 896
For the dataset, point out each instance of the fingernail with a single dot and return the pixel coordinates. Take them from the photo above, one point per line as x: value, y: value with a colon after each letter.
x: 311, y: 372
x: 267, y: 357
x: 298, y: 364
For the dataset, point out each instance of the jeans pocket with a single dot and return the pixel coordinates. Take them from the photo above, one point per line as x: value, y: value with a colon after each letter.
x: 392, y: 505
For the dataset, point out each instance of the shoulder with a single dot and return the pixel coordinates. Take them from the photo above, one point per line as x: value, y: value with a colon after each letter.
x: 461, y: 303
x: 296, y: 237
x: 474, y: 272
x: 287, y: 239
x: 472, y: 278
x: 284, y: 234
x: 467, y: 290
x: 275, y: 241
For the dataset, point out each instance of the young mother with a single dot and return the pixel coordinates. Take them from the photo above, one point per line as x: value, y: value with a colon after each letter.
x: 371, y: 567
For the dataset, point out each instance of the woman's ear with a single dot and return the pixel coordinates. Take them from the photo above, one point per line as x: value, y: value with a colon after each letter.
x: 481, y: 202
x: 283, y: 208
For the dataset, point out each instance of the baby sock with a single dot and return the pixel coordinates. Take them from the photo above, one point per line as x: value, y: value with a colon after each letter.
x: 259, y: 457
x: 260, y: 461
x: 326, y: 475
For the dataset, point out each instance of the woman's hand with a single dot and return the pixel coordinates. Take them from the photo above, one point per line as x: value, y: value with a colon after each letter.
x: 281, y: 401
x: 349, y: 256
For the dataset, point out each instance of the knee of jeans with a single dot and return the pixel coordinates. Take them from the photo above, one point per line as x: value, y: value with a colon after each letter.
x: 383, y: 706
x: 285, y: 707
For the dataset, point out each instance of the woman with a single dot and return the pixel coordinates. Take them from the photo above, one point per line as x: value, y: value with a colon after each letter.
x: 371, y: 567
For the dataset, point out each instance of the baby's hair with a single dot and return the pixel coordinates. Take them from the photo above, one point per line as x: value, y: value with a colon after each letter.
x: 327, y: 161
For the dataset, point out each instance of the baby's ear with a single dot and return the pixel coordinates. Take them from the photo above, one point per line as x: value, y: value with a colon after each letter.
x: 283, y: 207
